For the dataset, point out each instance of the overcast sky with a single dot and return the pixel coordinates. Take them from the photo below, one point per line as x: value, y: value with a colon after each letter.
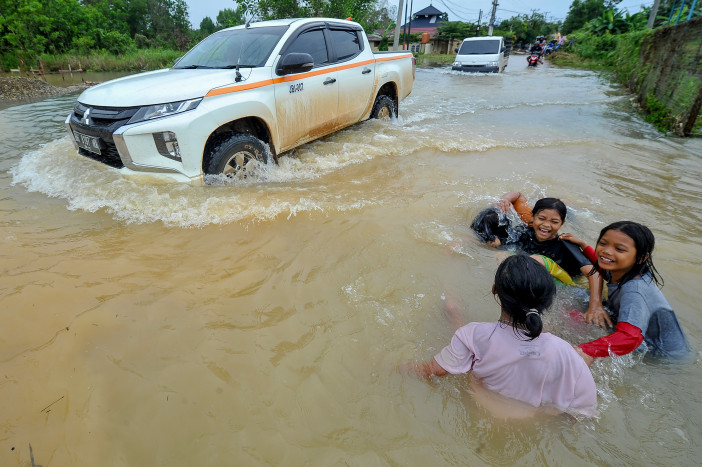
x: 458, y: 10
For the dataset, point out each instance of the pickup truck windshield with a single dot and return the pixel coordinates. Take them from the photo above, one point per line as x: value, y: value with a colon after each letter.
x: 246, y: 47
x: 491, y: 46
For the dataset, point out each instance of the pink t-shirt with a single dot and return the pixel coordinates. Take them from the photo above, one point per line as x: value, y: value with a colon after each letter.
x: 544, y: 371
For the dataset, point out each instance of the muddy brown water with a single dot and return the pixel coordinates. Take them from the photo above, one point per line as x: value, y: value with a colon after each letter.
x: 262, y: 322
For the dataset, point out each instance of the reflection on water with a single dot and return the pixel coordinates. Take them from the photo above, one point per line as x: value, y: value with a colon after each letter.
x: 262, y: 321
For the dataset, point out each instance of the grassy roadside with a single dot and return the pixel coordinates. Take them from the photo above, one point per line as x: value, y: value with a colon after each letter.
x: 572, y: 60
x: 140, y: 60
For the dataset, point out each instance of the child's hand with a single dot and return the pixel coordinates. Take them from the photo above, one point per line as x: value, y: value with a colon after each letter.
x: 494, y: 243
x: 573, y: 239
x: 588, y: 359
x: 504, y: 205
x: 597, y: 315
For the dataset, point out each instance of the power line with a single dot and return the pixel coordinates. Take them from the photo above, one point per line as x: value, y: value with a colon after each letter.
x: 454, y: 13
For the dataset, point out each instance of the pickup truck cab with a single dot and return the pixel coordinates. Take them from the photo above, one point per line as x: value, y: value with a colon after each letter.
x: 487, y: 54
x: 245, y: 93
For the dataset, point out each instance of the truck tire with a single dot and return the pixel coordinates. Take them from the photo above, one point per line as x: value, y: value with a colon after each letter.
x: 232, y: 154
x: 384, y: 108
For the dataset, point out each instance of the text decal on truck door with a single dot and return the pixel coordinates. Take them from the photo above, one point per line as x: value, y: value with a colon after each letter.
x: 297, y: 87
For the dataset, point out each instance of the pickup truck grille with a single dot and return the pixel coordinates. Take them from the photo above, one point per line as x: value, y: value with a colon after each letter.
x: 102, y: 122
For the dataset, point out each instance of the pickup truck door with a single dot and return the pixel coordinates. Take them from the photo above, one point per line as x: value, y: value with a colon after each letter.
x: 307, y: 103
x: 356, y: 73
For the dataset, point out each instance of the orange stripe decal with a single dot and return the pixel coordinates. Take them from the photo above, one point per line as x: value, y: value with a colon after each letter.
x: 283, y: 79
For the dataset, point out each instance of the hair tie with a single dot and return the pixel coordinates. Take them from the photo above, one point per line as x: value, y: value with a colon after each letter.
x: 532, y: 311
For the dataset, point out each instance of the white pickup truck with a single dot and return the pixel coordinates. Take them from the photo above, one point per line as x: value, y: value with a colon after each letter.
x: 249, y: 92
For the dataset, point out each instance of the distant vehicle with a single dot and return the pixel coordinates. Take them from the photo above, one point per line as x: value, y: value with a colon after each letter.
x: 533, y: 59
x: 243, y: 93
x: 487, y: 54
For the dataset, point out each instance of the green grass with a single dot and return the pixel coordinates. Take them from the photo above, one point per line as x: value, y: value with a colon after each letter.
x: 140, y: 60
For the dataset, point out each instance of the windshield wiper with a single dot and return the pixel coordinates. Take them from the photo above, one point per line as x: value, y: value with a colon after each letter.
x: 191, y: 67
x: 229, y: 67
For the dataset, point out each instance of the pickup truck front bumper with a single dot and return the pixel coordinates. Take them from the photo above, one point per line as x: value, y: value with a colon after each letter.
x: 99, y: 134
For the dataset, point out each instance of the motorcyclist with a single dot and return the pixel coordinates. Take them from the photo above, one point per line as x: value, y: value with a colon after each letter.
x: 537, y: 49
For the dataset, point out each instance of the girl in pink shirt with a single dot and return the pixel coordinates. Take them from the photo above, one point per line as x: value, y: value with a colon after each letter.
x: 511, y: 356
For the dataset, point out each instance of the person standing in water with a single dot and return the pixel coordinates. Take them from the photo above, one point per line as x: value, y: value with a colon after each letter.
x: 512, y: 356
x: 641, y: 312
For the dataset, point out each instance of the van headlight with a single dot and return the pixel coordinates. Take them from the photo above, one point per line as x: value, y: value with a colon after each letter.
x: 150, y: 112
x: 457, y: 64
x: 492, y: 63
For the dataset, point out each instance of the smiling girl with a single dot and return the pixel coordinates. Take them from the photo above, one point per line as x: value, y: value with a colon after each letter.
x: 540, y: 239
x: 641, y: 312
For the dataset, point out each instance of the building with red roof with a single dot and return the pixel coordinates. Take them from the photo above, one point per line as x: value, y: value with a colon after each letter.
x: 426, y: 23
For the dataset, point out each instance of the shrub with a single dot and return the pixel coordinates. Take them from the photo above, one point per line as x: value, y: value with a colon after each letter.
x: 117, y: 43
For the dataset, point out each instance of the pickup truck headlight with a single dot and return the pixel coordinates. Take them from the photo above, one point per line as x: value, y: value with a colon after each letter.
x: 164, y: 110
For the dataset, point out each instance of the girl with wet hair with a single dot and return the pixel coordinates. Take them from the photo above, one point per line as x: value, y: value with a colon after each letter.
x: 641, y: 312
x: 512, y: 356
x: 492, y: 224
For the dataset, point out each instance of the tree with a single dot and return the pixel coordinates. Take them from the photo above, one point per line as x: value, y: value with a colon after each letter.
x: 364, y: 12
x: 456, y: 30
x: 227, y: 18
x: 582, y: 11
x: 207, y: 26
x: 525, y: 28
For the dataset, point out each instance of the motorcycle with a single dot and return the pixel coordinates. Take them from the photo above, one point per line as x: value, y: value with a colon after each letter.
x: 533, y: 59
x: 549, y: 48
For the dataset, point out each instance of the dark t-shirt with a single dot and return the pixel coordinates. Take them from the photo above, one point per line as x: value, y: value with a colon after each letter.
x: 567, y: 255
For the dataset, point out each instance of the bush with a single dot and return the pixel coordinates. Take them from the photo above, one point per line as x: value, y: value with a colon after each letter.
x: 83, y: 44
x: 141, y: 41
x: 117, y: 43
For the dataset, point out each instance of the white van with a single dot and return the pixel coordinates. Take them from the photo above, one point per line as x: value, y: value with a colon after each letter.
x: 487, y: 54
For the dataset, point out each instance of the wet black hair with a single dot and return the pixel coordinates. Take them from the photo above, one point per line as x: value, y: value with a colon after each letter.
x: 550, y: 203
x: 524, y: 289
x: 644, y: 242
x: 491, y: 223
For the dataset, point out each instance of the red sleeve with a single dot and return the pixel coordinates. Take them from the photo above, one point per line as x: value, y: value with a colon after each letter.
x: 625, y: 339
x: 590, y: 254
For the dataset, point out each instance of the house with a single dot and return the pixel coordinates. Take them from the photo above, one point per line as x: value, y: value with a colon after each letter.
x: 426, y: 21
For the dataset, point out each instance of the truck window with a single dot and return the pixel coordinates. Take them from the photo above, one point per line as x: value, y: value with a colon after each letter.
x: 313, y: 43
x: 346, y: 43
x: 246, y: 47
x: 491, y: 46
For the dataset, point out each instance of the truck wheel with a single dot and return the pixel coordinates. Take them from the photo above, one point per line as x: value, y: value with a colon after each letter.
x: 233, y: 154
x: 384, y: 108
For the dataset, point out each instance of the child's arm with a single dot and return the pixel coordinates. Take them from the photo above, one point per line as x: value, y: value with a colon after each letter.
x: 508, y: 199
x: 596, y: 314
x: 624, y: 340
x: 587, y: 250
x: 426, y: 369
x: 516, y: 200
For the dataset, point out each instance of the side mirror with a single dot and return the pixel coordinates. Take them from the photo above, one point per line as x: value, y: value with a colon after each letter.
x: 295, y: 62
x: 503, y: 49
x: 177, y: 60
x: 456, y: 50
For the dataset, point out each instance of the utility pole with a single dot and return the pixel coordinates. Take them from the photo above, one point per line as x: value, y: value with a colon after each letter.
x: 652, y: 15
x: 492, y: 17
x: 396, y: 43
x: 480, y: 18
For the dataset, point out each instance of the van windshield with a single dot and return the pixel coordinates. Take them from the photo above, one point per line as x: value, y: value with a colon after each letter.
x: 490, y: 46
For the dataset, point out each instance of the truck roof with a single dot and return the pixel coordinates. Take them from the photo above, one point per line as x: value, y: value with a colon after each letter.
x: 289, y: 21
x: 481, y: 38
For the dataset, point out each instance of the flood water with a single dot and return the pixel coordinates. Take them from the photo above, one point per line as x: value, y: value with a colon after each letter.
x: 262, y: 322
